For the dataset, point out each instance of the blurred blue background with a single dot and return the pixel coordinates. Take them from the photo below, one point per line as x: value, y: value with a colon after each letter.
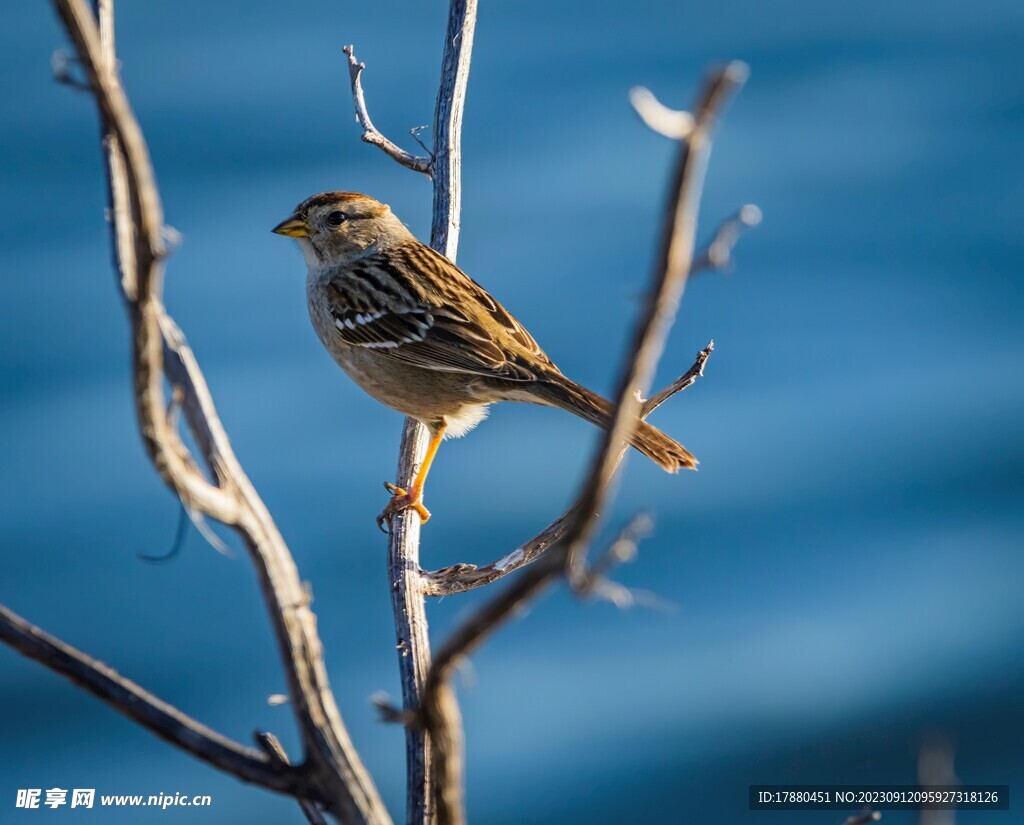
x: 846, y: 568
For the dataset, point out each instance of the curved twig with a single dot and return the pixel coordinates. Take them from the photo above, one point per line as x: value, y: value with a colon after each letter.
x: 373, y: 135
x: 660, y: 118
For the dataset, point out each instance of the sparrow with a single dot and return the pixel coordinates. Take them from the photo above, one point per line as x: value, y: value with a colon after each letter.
x: 421, y: 336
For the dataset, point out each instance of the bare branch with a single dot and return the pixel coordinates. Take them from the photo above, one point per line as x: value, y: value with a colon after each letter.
x: 687, y: 379
x: 439, y: 712
x: 411, y: 630
x: 161, y: 354
x: 936, y: 765
x: 370, y: 132
x: 162, y: 441
x: 462, y: 577
x: 404, y: 574
x: 158, y: 717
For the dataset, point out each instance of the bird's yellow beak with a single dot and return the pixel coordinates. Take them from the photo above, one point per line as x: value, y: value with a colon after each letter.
x: 292, y: 227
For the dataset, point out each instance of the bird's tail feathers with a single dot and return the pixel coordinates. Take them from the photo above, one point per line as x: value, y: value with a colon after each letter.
x: 670, y: 455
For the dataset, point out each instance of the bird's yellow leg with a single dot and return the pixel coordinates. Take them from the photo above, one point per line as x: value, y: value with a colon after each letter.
x: 413, y: 497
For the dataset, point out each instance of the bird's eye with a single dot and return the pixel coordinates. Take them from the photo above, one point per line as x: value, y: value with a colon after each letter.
x: 336, y: 218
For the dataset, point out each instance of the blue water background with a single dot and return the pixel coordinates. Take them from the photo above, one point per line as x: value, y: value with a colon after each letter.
x: 845, y: 570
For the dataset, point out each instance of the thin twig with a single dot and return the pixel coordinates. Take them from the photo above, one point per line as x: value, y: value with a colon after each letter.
x: 180, y: 533
x: 60, y: 65
x: 439, y: 710
x: 687, y: 379
x: 370, y: 132
x: 717, y: 255
x: 462, y: 577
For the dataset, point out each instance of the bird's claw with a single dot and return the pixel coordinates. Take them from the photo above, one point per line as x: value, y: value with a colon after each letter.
x: 400, y: 500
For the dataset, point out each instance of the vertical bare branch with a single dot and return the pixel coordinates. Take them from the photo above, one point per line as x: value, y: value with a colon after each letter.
x: 404, y: 576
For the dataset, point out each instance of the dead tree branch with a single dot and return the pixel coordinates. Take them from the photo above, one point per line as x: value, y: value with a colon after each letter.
x: 371, y: 134
x: 332, y: 766
x: 404, y: 573
x: 439, y: 712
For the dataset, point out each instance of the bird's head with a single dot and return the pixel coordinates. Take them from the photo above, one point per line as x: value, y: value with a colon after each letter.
x: 335, y: 227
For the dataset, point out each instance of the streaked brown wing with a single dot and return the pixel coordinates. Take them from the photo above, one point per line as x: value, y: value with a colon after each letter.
x: 456, y: 286
x: 374, y: 306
